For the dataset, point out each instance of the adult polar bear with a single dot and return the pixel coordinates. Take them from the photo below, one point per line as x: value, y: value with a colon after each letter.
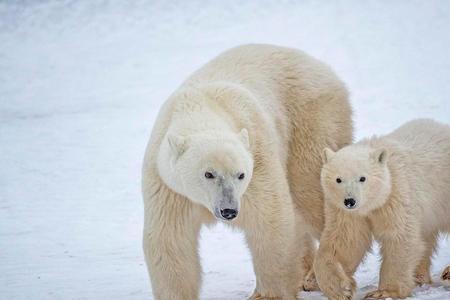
x: 241, y: 141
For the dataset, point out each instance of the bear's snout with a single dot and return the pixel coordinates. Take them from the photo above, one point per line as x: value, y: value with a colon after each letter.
x: 229, y: 213
x: 349, y: 203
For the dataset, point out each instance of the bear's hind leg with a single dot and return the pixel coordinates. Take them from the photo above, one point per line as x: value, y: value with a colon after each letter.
x: 422, y: 273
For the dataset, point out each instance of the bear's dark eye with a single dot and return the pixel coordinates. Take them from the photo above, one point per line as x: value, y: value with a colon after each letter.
x: 209, y: 175
x: 362, y: 179
x: 241, y: 176
x: 338, y: 180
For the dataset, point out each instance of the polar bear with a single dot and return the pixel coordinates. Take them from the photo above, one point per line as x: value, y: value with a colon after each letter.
x: 395, y: 188
x: 240, y: 142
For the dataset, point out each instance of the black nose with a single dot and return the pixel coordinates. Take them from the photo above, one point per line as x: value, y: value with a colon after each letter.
x: 228, y: 213
x: 349, y: 202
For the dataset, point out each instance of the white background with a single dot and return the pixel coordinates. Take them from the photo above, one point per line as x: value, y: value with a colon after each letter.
x: 82, y: 81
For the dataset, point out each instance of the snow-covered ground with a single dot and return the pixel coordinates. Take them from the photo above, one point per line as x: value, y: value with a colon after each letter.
x: 80, y: 86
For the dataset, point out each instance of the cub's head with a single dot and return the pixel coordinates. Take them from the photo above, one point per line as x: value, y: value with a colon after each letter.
x: 211, y: 169
x: 356, y: 178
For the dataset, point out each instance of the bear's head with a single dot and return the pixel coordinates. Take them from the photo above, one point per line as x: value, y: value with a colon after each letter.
x: 356, y: 178
x: 212, y: 169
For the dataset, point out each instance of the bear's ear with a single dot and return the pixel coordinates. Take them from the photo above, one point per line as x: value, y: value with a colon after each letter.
x: 243, y: 136
x: 327, y: 155
x: 178, y: 144
x: 380, y: 156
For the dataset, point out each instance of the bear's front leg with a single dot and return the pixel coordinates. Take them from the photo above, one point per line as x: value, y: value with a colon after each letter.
x: 171, y: 229
x: 401, y: 255
x: 422, y: 272
x: 269, y: 224
x: 343, y: 244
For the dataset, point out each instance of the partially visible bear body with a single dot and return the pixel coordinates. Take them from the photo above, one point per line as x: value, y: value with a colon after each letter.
x: 395, y: 188
x: 241, y: 141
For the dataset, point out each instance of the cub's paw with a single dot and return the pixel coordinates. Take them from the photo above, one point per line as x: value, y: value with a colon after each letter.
x: 446, y: 276
x: 310, y: 282
x: 383, y: 294
x: 348, y: 288
x: 339, y: 288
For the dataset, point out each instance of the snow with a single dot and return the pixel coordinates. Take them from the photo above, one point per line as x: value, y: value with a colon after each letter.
x: 81, y: 83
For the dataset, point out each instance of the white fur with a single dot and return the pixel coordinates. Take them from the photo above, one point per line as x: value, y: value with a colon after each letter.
x: 261, y: 110
x: 404, y: 203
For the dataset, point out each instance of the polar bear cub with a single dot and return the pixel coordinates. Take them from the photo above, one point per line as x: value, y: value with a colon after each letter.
x: 395, y: 188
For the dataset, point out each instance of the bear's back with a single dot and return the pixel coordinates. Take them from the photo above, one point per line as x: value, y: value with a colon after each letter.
x: 426, y: 164
x: 425, y: 138
x: 270, y: 72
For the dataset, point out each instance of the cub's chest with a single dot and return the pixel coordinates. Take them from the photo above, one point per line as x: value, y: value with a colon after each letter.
x: 388, y: 224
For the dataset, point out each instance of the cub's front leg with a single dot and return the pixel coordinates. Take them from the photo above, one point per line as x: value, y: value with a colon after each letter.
x: 343, y: 244
x: 401, y: 251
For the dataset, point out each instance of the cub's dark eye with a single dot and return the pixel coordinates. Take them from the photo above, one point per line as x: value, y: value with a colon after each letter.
x: 209, y: 175
x: 362, y: 179
x: 338, y: 180
x: 241, y: 176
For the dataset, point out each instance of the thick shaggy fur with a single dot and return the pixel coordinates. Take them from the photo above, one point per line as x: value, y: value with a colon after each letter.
x: 275, y: 107
x: 401, y: 186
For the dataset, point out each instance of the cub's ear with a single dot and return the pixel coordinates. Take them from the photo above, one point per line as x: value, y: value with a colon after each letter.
x: 327, y: 155
x: 379, y: 156
x: 243, y: 136
x: 177, y: 144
